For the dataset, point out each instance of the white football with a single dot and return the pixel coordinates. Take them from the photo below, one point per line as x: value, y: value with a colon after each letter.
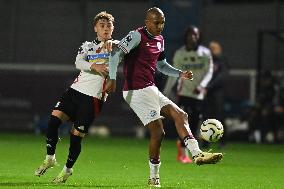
x: 211, y: 130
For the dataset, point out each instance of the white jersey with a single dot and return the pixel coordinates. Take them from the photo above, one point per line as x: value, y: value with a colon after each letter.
x: 90, y: 82
x: 200, y: 63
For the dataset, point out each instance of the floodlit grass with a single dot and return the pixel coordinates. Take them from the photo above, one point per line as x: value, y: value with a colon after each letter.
x: 123, y: 163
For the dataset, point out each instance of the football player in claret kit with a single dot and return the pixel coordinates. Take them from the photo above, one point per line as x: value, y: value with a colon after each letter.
x: 83, y: 100
x: 143, y: 52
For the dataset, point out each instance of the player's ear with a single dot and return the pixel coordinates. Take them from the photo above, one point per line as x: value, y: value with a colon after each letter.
x: 146, y: 21
x: 95, y: 29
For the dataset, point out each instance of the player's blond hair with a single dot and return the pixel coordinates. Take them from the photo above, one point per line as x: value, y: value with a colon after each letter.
x: 103, y: 15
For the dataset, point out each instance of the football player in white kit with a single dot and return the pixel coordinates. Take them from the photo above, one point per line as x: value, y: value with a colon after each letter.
x: 83, y: 100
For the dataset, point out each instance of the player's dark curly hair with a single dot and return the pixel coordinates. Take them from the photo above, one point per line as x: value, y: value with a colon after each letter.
x: 103, y: 15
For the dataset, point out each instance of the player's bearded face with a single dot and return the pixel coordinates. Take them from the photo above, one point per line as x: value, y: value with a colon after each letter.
x: 155, y: 24
x: 104, y: 29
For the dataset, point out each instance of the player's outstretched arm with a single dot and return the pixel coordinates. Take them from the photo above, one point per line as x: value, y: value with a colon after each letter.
x: 114, y: 60
x: 167, y: 69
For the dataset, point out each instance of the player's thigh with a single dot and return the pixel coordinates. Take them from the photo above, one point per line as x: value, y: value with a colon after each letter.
x: 169, y: 108
x: 88, y: 109
x: 145, y: 103
x: 173, y: 112
x: 65, y: 108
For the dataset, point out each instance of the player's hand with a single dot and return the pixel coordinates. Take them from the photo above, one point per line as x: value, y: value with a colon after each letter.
x: 101, y: 68
x: 110, y: 86
x: 186, y: 75
x: 199, y: 90
x: 108, y: 45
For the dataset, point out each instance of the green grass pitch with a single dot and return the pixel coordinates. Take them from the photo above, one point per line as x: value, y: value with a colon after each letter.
x: 123, y: 163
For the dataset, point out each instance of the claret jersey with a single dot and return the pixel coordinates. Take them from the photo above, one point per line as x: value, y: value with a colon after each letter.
x: 90, y: 82
x: 142, y: 53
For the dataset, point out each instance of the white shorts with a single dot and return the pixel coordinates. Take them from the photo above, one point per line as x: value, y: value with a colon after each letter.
x: 146, y: 103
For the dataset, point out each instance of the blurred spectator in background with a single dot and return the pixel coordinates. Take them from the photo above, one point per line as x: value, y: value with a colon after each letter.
x: 279, y: 114
x: 214, y: 101
x: 261, y: 119
x: 190, y: 94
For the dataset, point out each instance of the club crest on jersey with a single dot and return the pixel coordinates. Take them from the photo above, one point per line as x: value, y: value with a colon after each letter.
x: 152, y: 113
x: 159, y: 45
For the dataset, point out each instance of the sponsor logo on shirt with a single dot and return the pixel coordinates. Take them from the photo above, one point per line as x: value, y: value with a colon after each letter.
x: 196, y: 66
x: 98, y: 58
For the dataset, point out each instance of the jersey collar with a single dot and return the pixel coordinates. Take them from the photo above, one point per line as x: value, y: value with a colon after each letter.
x: 96, y: 41
x: 148, y: 34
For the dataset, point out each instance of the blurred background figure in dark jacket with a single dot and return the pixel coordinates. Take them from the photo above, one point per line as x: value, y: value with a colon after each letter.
x: 267, y: 112
x: 214, y: 101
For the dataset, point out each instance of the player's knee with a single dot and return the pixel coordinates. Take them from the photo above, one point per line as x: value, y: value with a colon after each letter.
x: 182, y: 116
x: 60, y: 115
x: 54, y: 122
x: 76, y: 132
x: 158, y: 135
x: 52, y: 130
x: 162, y: 134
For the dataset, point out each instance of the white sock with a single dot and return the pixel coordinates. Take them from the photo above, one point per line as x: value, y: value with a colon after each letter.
x: 50, y: 157
x: 154, y: 170
x: 193, y: 147
x: 66, y: 170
